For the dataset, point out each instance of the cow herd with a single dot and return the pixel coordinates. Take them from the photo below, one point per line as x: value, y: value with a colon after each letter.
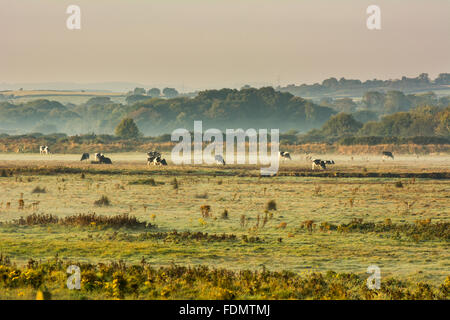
x: 155, y: 158
x: 316, y: 163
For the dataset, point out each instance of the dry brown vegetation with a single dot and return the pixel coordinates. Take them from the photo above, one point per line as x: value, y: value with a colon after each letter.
x: 88, y: 219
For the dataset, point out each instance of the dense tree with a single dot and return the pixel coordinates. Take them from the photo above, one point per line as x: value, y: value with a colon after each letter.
x: 154, y: 93
x: 373, y: 100
x: 396, y: 101
x: 135, y: 98
x: 330, y: 83
x: 340, y: 105
x: 341, y: 124
x: 98, y: 101
x: 423, y: 99
x: 422, y: 121
x: 364, y: 116
x: 45, y: 128
x: 29, y: 114
x: 443, y: 79
x: 344, y: 105
x: 127, y: 129
x: 170, y: 93
x: 139, y: 91
x: 443, y: 123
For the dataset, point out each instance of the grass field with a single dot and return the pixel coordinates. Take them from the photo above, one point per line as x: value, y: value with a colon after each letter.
x: 62, y: 96
x: 409, y: 239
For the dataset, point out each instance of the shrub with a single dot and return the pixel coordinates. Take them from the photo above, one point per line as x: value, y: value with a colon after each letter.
x: 174, y: 183
x: 38, y: 190
x: 317, y: 190
x: 271, y: 205
x: 103, y: 201
x: 205, y: 210
x: 203, y: 195
x: 121, y: 220
x: 399, y: 184
x: 282, y: 225
x: 243, y: 220
x: 224, y: 214
x: 149, y: 182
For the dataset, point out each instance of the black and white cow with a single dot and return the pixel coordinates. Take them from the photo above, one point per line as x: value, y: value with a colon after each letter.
x: 158, y: 161
x: 151, y: 156
x: 219, y: 159
x: 285, y: 155
x: 84, y: 156
x: 387, y: 154
x: 329, y: 162
x: 44, y: 150
x: 318, y: 164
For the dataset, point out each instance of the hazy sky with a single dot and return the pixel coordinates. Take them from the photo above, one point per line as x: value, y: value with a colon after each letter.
x: 221, y: 43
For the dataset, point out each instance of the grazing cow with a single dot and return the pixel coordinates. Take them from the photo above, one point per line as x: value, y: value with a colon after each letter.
x: 84, y: 156
x: 219, y: 159
x: 319, y: 164
x: 285, y: 155
x: 151, y: 156
x: 105, y: 160
x: 387, y: 154
x: 329, y: 161
x: 158, y: 161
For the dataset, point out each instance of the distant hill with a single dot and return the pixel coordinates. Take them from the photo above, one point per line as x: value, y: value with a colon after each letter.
x: 72, y: 86
x: 333, y: 87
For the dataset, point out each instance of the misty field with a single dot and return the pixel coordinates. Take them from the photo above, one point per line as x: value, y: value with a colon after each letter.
x: 228, y: 218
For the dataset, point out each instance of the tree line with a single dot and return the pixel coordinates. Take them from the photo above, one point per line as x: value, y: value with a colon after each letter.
x: 332, y: 85
x: 421, y: 125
